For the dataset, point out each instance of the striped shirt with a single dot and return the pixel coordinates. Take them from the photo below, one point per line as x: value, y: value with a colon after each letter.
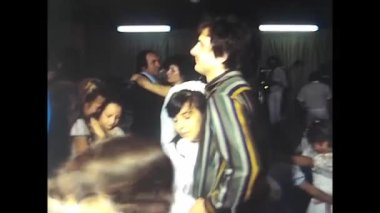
x: 227, y: 164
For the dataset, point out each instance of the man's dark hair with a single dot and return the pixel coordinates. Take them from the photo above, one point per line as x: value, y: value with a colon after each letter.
x: 315, y: 76
x: 273, y: 61
x: 228, y: 35
x: 141, y: 59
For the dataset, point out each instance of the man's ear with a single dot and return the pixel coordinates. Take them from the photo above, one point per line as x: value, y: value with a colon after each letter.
x: 223, y: 58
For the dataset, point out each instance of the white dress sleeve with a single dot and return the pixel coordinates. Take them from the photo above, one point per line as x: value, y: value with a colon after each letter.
x: 79, y: 128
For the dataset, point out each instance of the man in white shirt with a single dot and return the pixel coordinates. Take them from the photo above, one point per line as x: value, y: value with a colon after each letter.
x: 314, y: 97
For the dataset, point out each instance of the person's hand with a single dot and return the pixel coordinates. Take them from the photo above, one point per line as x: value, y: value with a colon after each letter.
x: 316, y: 201
x: 199, y: 206
x: 88, y: 85
x: 330, y: 200
x: 96, y: 129
x: 139, y: 79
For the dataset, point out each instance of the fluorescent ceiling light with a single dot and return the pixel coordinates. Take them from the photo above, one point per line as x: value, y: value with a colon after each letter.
x: 143, y: 28
x: 288, y: 28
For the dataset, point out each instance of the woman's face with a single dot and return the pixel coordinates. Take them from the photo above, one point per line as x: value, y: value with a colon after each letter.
x: 90, y: 108
x: 173, y: 75
x: 110, y: 116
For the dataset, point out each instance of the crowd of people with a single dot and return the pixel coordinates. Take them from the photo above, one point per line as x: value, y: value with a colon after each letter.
x: 194, y: 142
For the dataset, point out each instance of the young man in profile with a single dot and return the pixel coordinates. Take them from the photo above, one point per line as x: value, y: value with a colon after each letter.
x: 228, y: 168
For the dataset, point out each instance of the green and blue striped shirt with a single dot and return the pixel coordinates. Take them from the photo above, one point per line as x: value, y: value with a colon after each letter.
x: 228, y: 163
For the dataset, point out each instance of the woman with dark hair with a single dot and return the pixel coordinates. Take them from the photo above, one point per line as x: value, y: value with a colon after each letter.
x: 127, y: 174
x: 187, y: 109
x: 92, y: 96
x: 177, y: 69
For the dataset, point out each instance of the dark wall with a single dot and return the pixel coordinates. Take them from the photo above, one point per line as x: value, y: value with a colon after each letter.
x: 105, y: 52
x: 109, y: 52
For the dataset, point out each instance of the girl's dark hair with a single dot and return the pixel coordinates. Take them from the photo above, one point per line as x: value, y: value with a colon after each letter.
x: 275, y: 60
x: 185, y: 65
x: 178, y: 99
x: 319, y: 131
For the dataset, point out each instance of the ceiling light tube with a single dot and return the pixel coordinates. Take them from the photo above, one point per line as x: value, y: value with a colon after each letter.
x: 288, y: 28
x: 143, y: 28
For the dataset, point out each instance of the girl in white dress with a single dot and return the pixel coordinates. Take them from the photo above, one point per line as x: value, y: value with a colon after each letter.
x: 320, y: 138
x: 187, y: 109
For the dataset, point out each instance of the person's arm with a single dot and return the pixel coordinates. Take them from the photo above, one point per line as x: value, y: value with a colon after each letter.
x: 301, y: 105
x: 158, y: 89
x: 80, y: 133
x: 98, y: 132
x: 301, y: 160
x: 301, y: 97
x: 316, y: 193
x: 80, y: 144
x: 239, y: 170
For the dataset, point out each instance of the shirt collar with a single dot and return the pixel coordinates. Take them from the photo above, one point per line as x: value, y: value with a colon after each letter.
x: 212, y: 85
x: 149, y: 76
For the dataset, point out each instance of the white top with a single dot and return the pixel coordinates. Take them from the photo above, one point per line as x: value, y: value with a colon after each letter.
x: 183, y: 156
x: 116, y: 132
x: 167, y: 127
x: 322, y: 179
x: 315, y: 95
x: 298, y: 175
x: 79, y: 128
x: 278, y: 75
x: 305, y: 148
x: 322, y: 172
